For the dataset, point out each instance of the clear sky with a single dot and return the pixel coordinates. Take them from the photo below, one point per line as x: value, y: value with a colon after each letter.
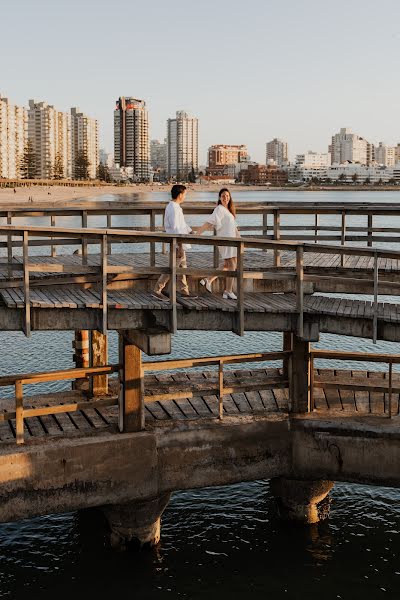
x: 250, y: 70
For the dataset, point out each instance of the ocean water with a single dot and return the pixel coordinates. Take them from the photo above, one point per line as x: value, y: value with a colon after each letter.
x: 217, y: 542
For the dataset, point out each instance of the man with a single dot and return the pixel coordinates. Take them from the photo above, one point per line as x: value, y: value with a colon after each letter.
x: 174, y: 222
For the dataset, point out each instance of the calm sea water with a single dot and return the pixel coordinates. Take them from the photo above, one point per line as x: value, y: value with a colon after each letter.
x: 216, y: 543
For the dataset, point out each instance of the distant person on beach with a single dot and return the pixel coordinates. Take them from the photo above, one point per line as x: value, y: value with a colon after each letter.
x: 174, y: 222
x: 223, y: 220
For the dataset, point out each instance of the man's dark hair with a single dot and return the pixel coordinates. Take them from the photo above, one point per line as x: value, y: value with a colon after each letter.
x: 176, y: 190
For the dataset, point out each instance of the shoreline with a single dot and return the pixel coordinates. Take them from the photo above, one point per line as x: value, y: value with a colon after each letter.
x: 55, y: 194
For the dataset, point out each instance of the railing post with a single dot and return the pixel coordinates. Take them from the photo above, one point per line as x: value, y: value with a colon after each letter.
x: 53, y: 224
x: 287, y: 346
x: 375, y: 313
x: 240, y: 290
x: 343, y: 236
x: 172, y: 286
x: 25, y: 253
x: 152, y: 244
x: 299, y: 376
x: 370, y: 233
x: 19, y: 412
x: 109, y: 226
x: 81, y: 356
x: 300, y: 290
x: 84, y: 239
x: 9, y: 244
x: 215, y: 253
x: 221, y: 389
x: 316, y: 226
x: 390, y: 388
x: 265, y: 227
x: 104, y: 283
x: 277, y: 236
x: 131, y: 394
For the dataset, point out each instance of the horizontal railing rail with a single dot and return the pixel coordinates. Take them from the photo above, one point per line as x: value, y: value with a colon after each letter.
x: 106, y: 238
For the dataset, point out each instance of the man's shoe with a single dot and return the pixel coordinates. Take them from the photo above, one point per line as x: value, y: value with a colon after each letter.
x: 160, y: 296
x: 190, y: 296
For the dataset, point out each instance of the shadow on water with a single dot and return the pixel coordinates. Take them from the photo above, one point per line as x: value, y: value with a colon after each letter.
x: 216, y: 543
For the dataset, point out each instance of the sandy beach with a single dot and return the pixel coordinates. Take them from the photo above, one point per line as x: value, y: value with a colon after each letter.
x: 56, y: 194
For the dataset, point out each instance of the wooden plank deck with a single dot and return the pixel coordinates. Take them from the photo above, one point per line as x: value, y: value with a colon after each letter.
x: 340, y: 402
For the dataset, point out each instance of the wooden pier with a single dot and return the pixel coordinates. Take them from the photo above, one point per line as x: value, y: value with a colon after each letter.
x: 134, y: 431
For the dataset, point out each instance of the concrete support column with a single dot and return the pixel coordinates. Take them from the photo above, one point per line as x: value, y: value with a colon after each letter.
x: 99, y: 358
x: 81, y: 356
x: 306, y: 502
x: 136, y: 524
x: 299, y: 376
x: 131, y: 393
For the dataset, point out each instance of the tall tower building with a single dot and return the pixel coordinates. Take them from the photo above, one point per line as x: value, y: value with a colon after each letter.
x: 13, y: 132
x: 84, y: 139
x: 385, y: 155
x: 131, y: 136
x: 277, y: 150
x: 49, y: 130
x: 182, y: 146
x: 158, y: 156
x: 349, y: 147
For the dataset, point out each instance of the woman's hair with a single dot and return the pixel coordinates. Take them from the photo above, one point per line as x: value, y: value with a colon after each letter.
x: 231, y: 205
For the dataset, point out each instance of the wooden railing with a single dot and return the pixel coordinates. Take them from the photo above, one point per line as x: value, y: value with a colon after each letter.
x: 18, y: 381
x: 389, y: 359
x: 106, y: 238
x: 21, y: 413
x: 271, y: 217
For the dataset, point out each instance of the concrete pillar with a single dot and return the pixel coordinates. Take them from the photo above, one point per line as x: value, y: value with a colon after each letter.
x: 299, y: 376
x: 81, y: 356
x: 136, y: 524
x: 306, y: 502
x: 99, y: 358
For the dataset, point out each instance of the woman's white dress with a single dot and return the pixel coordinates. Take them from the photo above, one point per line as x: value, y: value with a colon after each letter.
x: 225, y: 226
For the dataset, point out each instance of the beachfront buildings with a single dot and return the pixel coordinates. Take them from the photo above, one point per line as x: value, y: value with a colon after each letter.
x: 49, y: 132
x: 84, y: 143
x: 158, y: 158
x: 131, y: 137
x: 385, y: 155
x: 182, y: 146
x: 313, y: 160
x: 225, y: 160
x: 350, y: 147
x: 255, y: 174
x: 276, y: 152
x: 13, y: 131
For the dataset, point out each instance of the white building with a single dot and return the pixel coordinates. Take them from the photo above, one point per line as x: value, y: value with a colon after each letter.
x: 385, y: 155
x: 50, y: 133
x: 349, y: 147
x: 84, y: 139
x: 182, y: 146
x: 276, y: 150
x: 131, y: 137
x: 347, y: 173
x: 313, y: 160
x: 13, y: 132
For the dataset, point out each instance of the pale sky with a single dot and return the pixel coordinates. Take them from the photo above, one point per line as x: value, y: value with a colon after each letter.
x: 250, y: 70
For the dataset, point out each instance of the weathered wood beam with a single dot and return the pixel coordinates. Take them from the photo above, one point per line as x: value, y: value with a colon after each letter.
x: 151, y: 341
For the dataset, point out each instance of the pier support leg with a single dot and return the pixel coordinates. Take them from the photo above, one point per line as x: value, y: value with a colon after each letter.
x: 136, y: 524
x: 81, y: 356
x: 299, y: 376
x: 99, y: 358
x: 131, y: 396
x: 306, y: 502
x: 286, y: 345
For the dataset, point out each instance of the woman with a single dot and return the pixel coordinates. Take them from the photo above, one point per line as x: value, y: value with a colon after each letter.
x: 223, y: 221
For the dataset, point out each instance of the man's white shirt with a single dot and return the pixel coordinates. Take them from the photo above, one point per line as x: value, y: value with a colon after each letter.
x: 174, y: 221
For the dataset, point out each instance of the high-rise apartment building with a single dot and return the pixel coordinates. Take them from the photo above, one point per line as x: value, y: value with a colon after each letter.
x: 158, y: 156
x: 385, y: 155
x: 349, y: 147
x: 277, y: 151
x: 131, y: 137
x: 397, y: 153
x: 84, y: 141
x: 223, y: 159
x: 49, y: 130
x: 182, y: 146
x: 313, y: 160
x: 13, y: 131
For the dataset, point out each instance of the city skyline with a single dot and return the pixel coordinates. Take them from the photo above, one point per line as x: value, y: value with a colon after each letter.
x: 300, y: 93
